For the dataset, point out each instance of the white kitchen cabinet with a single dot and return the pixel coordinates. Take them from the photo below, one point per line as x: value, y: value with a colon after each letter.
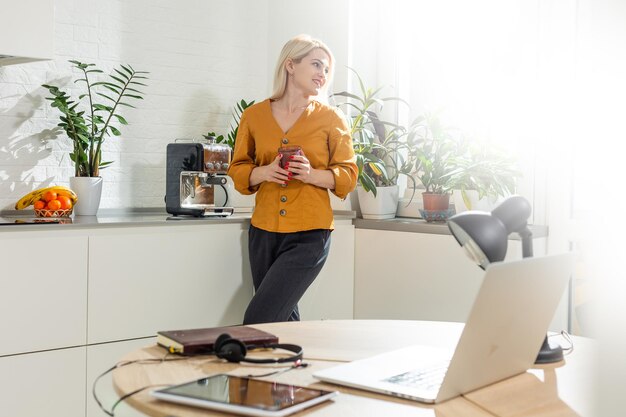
x: 91, y: 294
x: 421, y: 276
x: 43, y: 282
x: 26, y: 31
x: 144, y: 280
x: 99, y: 359
x: 332, y: 293
x: 48, y: 383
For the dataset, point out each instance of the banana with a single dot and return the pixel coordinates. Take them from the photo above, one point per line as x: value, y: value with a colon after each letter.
x: 67, y: 192
x: 30, y: 198
x: 27, y: 200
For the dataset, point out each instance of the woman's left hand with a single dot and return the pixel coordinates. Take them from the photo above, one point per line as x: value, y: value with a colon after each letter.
x: 300, y: 168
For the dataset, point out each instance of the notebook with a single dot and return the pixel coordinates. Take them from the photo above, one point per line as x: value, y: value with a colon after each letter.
x: 501, y: 338
x: 201, y: 341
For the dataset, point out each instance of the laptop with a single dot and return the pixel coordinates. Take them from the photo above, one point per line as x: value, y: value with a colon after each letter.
x: 501, y: 338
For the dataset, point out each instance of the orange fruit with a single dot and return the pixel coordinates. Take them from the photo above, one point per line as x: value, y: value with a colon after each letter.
x: 54, y: 204
x: 49, y: 196
x: 39, y: 204
x: 65, y: 201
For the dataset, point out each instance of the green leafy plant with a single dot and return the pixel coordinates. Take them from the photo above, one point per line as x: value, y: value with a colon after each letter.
x: 487, y: 169
x: 89, y: 128
x: 234, y: 126
x: 380, y: 146
x: 436, y: 153
x: 445, y: 160
x: 213, y: 135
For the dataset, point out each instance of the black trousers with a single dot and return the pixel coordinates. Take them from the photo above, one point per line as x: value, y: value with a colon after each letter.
x: 283, y: 266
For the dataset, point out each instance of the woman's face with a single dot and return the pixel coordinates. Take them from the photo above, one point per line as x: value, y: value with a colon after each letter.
x: 309, y: 75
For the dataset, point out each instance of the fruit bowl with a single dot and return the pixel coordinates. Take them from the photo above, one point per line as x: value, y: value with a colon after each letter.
x: 53, y: 213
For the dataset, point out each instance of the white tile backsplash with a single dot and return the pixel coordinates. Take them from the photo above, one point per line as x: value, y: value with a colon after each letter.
x: 203, y: 57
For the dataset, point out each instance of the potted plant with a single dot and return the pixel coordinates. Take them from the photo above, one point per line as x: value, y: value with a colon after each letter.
x: 488, y: 172
x: 438, y: 159
x: 234, y: 126
x: 235, y: 199
x: 88, y: 129
x: 380, y: 148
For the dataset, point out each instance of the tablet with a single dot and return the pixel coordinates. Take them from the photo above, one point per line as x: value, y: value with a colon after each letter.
x: 245, y: 396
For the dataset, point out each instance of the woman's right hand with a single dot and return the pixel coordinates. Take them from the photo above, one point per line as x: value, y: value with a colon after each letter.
x: 272, y: 173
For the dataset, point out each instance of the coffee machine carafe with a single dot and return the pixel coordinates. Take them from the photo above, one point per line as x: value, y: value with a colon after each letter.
x: 194, y: 169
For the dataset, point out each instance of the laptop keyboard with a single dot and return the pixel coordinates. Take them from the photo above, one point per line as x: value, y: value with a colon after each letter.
x: 429, y: 378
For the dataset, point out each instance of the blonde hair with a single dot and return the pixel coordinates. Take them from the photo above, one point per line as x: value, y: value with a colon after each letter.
x: 296, y: 49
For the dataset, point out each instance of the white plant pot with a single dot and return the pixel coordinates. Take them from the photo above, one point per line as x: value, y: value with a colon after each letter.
x: 383, y: 206
x: 89, y: 192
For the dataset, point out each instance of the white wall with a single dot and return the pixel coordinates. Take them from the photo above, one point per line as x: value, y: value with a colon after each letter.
x: 203, y: 56
x: 326, y: 20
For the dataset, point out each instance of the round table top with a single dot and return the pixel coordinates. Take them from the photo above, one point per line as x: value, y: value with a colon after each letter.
x: 563, y: 387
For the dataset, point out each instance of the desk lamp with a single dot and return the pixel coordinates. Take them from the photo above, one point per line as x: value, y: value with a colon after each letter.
x: 484, y: 237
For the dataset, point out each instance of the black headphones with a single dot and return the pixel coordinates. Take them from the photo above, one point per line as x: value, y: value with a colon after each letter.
x: 234, y: 350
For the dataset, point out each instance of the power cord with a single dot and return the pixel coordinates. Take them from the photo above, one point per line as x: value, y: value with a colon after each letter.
x: 226, y: 194
x: 120, y: 365
x: 296, y: 365
x: 565, y: 335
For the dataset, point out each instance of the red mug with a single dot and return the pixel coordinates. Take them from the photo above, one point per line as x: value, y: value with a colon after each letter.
x: 286, y: 152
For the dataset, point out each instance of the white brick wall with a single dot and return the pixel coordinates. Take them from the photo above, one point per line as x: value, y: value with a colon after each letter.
x: 203, y: 56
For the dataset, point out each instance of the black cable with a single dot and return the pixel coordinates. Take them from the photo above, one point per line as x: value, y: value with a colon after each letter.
x: 565, y: 335
x: 297, y: 364
x: 226, y: 194
x: 130, y: 394
x: 120, y: 365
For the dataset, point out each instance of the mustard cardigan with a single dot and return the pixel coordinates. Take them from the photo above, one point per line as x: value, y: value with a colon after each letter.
x: 324, y: 136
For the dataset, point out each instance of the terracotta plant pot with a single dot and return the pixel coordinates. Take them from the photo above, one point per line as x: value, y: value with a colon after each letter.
x: 436, y: 202
x: 436, y: 207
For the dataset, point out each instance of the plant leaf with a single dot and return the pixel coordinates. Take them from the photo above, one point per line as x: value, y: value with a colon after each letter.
x: 121, y: 119
x: 105, y: 96
x: 102, y: 107
x: 121, y: 74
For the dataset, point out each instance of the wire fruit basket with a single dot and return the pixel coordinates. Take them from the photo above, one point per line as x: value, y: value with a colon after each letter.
x: 53, y: 213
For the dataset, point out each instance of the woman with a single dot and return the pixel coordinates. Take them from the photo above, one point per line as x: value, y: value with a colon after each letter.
x: 289, y: 236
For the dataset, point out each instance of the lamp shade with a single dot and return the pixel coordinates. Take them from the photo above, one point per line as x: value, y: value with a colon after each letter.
x: 483, y: 236
x: 513, y: 213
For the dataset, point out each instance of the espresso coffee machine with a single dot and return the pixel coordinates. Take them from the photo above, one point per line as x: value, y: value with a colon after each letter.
x: 194, y: 169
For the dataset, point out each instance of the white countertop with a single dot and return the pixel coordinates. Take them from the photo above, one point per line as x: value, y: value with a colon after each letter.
x: 158, y: 217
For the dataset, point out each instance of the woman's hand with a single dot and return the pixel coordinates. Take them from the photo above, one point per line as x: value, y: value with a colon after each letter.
x: 299, y: 168
x: 272, y: 173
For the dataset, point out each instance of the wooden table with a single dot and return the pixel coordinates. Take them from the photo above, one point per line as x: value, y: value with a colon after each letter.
x: 563, y: 389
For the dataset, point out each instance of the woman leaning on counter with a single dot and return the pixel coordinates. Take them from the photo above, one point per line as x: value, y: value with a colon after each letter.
x: 289, y: 236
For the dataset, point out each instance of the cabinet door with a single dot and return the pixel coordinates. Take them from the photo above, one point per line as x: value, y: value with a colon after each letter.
x: 48, y: 383
x: 166, y: 278
x: 43, y: 286
x: 99, y: 359
x: 26, y: 31
x: 331, y: 296
x: 421, y: 276
x: 412, y: 276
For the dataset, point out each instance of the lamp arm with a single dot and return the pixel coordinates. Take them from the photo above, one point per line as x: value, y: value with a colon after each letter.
x: 527, y: 242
